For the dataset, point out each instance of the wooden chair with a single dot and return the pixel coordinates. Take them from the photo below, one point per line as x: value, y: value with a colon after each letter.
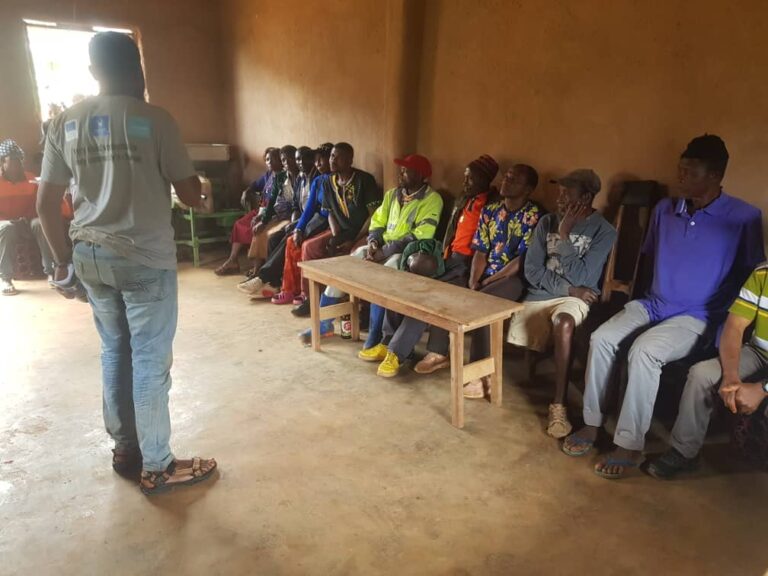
x: 637, y: 201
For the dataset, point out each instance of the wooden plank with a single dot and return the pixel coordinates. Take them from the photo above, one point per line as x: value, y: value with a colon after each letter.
x: 432, y: 301
x: 457, y: 378
x: 335, y: 311
x: 478, y: 369
x: 354, y: 313
x: 314, y: 312
x: 497, y: 353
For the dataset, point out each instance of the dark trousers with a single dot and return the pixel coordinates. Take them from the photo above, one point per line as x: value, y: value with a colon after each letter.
x: 403, y: 333
x: 272, y: 270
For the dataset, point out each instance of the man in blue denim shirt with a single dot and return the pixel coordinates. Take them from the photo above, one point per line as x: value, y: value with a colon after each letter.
x: 123, y: 155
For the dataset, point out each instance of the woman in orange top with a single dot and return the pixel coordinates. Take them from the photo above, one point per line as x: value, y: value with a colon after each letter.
x: 18, y: 193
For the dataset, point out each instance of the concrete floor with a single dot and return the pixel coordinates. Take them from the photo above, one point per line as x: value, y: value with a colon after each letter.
x: 324, y: 468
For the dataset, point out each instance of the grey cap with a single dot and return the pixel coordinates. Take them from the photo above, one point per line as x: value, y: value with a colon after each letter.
x: 585, y: 178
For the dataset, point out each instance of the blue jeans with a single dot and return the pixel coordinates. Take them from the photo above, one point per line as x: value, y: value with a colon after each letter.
x: 135, y: 310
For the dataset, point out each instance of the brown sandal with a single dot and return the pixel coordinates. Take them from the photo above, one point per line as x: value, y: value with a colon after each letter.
x: 227, y: 270
x: 178, y: 473
x: 126, y: 461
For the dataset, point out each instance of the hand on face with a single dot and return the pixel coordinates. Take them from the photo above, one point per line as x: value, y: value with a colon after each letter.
x: 574, y: 212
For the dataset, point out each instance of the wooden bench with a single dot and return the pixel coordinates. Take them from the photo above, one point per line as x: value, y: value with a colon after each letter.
x: 457, y: 310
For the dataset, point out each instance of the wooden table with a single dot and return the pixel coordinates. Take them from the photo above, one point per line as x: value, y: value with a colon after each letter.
x: 457, y: 310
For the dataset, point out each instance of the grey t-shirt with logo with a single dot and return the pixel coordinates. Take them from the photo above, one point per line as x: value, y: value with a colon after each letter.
x: 122, y: 154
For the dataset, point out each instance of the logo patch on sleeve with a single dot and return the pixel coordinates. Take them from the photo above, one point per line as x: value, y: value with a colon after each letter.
x: 70, y: 131
x: 98, y: 126
x: 139, y: 127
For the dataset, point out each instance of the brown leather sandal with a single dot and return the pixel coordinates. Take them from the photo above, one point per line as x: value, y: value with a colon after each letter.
x: 227, y: 270
x: 178, y: 473
x: 126, y: 461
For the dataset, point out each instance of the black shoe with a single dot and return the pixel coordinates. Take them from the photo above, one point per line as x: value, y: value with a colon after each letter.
x: 302, y: 310
x: 670, y: 464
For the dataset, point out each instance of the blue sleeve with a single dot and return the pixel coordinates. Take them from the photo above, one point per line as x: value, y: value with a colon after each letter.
x: 320, y: 202
x: 311, y: 207
x: 260, y: 184
x: 649, y: 245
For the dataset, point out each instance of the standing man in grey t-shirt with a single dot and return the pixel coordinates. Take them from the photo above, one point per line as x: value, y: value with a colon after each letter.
x: 123, y: 154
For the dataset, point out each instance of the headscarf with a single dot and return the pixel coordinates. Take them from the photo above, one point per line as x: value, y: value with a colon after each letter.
x: 9, y: 148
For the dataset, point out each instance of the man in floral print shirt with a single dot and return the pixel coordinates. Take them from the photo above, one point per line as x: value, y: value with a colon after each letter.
x: 504, y: 232
x: 502, y: 236
x: 563, y: 266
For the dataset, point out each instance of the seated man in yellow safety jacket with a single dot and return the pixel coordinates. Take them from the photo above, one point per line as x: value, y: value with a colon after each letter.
x: 409, y: 212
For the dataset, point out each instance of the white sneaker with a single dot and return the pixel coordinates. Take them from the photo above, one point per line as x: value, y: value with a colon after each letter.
x: 264, y: 292
x: 251, y: 286
x: 7, y: 288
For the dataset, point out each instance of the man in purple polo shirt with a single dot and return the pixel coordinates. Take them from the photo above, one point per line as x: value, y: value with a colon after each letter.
x: 702, y: 247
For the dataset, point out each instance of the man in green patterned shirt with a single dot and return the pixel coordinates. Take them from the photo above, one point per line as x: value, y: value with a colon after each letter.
x: 739, y: 376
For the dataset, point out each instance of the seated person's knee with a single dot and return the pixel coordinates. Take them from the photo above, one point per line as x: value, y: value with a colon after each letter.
x: 705, y: 374
x: 564, y: 322
x: 642, y: 347
x: 422, y: 264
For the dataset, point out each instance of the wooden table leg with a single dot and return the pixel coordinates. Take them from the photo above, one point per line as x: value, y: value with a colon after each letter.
x: 497, y: 352
x: 314, y: 311
x: 457, y: 378
x: 354, y: 315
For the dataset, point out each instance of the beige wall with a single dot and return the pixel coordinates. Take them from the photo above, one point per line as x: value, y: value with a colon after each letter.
x: 620, y: 86
x: 617, y: 85
x: 307, y: 80
x: 181, y: 47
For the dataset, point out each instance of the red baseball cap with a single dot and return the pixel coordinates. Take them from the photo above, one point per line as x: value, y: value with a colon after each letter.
x: 416, y: 162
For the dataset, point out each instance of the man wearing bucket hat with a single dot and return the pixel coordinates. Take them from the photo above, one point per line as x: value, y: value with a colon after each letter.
x: 410, y: 211
x: 563, y: 267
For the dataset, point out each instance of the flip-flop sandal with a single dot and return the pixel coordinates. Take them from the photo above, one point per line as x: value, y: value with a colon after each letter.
x: 623, y: 462
x: 163, y: 481
x: 227, y: 271
x: 577, y: 446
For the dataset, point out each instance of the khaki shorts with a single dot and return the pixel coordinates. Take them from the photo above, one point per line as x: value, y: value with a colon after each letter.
x: 532, y: 326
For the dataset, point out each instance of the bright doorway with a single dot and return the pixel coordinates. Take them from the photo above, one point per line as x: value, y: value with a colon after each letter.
x: 60, y: 64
